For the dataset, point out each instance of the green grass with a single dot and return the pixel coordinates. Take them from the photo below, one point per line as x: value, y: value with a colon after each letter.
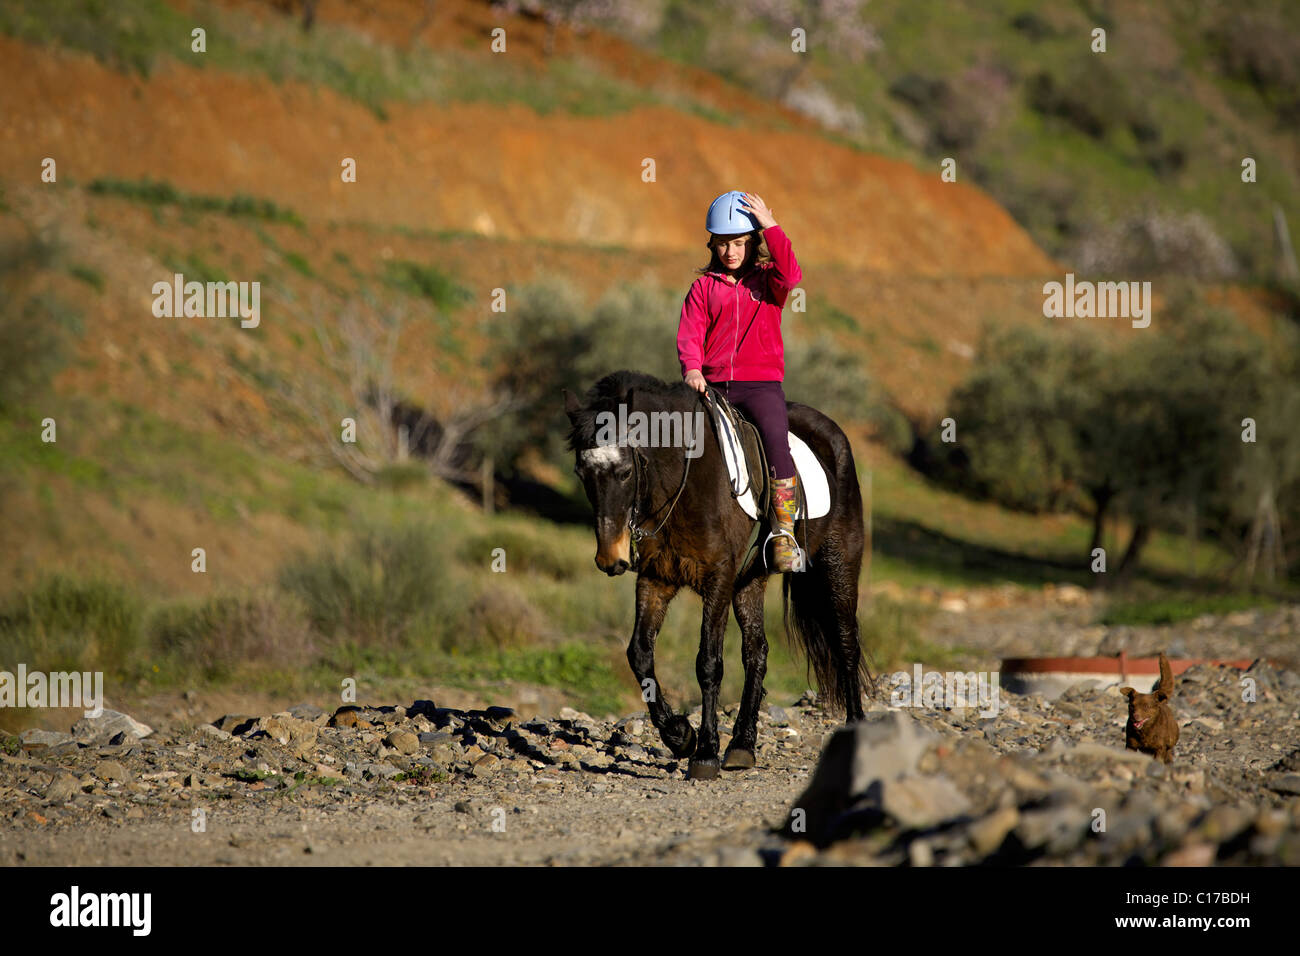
x: 979, y: 544
x: 36, y: 335
x: 299, y: 265
x: 421, y: 775
x: 387, y: 588
x: 92, y: 277
x: 195, y: 268
x: 158, y: 194
x: 135, y: 35
x: 66, y: 624
x: 146, y: 456
x: 523, y: 549
x: 126, y: 35
x: 839, y: 319
x: 221, y: 639
x: 427, y: 282
x: 583, y: 671
x: 1170, y: 609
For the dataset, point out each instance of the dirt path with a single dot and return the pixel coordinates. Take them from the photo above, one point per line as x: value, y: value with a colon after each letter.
x: 585, y: 808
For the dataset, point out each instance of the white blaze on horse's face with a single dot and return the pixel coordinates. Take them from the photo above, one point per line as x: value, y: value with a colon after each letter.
x: 613, y: 537
x: 604, y: 456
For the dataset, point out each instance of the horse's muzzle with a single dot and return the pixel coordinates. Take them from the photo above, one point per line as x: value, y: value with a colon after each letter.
x: 618, y: 567
x: 614, y: 557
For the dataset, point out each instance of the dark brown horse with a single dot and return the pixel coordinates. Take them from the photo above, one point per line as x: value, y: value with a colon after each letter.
x: 693, y: 534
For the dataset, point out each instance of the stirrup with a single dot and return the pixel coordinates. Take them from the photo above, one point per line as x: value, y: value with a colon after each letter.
x: 798, y: 562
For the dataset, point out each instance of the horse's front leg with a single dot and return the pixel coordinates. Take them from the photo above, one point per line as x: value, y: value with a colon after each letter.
x: 748, y: 605
x: 652, y: 598
x: 708, y: 669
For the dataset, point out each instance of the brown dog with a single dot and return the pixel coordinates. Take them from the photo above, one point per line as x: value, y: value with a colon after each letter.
x: 1151, y: 727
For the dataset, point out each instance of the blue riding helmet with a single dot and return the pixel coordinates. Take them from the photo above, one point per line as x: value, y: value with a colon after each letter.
x: 727, y: 217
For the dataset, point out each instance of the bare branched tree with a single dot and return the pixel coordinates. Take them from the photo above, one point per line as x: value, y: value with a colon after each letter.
x: 357, y: 412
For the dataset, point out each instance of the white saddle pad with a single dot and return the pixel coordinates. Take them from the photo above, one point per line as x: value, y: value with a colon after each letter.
x: 811, y: 475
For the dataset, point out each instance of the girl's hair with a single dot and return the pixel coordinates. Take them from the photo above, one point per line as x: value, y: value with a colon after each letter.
x: 752, y: 259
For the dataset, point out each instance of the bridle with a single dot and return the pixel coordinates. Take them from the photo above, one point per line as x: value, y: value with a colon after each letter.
x: 634, y: 517
x: 641, y: 467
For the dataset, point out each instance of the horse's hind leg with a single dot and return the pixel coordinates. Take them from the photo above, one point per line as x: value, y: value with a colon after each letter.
x: 652, y: 597
x: 748, y: 605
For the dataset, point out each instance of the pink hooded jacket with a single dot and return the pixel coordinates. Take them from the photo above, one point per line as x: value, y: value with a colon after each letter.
x: 733, y: 332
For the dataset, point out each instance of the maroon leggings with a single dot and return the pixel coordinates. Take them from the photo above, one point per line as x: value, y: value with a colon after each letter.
x: 764, y: 404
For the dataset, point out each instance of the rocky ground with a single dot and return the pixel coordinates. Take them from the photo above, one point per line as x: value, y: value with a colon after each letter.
x: 1040, y: 782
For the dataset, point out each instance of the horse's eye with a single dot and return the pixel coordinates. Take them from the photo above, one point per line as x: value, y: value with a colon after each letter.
x: 623, y: 473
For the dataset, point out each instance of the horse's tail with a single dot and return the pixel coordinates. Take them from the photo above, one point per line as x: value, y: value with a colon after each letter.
x: 808, y: 610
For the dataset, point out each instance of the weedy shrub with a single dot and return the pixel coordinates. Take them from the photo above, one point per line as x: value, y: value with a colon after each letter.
x: 67, y: 624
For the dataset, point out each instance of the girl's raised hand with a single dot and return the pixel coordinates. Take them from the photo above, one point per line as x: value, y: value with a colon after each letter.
x: 759, y: 208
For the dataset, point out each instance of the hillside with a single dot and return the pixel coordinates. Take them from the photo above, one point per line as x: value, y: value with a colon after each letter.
x: 476, y: 171
x: 501, y: 172
x: 1086, y: 146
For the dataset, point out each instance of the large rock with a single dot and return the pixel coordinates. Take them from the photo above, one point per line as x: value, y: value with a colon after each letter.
x: 918, y: 803
x: 1054, y: 828
x: 986, y: 835
x: 237, y: 724
x: 37, y: 739
x: 100, y: 730
x: 309, y: 712
x: 882, y: 747
x: 111, y: 770
x: 403, y: 741
x: 349, y: 716
x: 298, y: 735
x: 63, y: 788
x: 1287, y: 783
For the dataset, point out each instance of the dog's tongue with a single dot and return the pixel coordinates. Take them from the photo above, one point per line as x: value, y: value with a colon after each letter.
x: 1138, y: 723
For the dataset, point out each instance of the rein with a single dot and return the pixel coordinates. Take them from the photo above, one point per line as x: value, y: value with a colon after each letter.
x: 639, y: 467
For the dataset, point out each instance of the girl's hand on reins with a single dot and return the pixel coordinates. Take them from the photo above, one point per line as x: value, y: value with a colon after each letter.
x: 695, y: 379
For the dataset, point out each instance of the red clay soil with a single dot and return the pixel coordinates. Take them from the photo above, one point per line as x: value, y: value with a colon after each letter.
x: 497, y: 171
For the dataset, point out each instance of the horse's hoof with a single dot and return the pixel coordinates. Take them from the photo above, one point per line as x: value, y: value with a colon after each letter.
x: 686, y: 747
x: 703, y: 769
x: 738, y: 759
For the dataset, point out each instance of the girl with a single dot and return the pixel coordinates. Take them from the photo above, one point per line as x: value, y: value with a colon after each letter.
x: 729, y: 337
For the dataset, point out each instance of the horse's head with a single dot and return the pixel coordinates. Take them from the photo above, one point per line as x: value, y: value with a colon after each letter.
x: 607, y: 473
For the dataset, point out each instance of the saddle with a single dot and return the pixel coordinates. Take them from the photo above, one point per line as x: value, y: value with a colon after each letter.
x: 732, y: 428
x: 742, y: 447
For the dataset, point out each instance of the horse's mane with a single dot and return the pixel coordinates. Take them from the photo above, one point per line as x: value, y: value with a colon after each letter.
x: 605, y: 396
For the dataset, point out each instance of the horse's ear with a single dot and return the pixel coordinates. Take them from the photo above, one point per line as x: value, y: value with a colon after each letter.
x: 571, y: 404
